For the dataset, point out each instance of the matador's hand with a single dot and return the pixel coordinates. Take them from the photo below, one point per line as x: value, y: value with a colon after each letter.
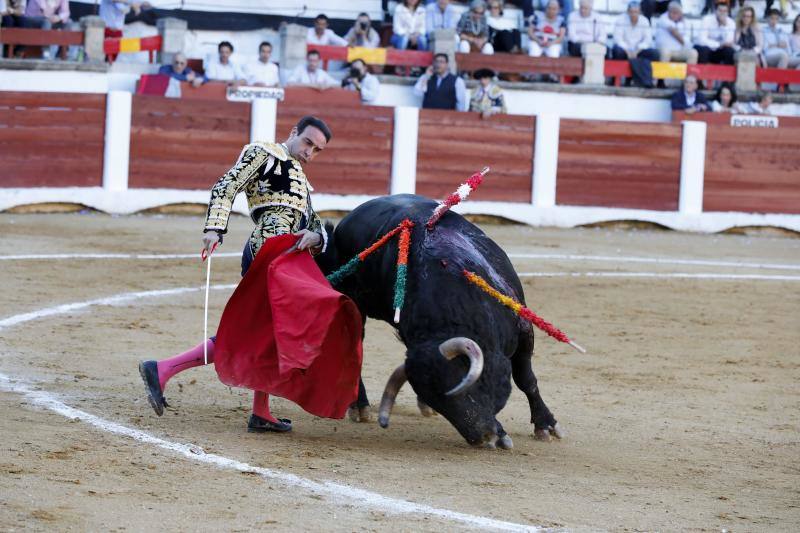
x: 210, y: 239
x: 308, y: 239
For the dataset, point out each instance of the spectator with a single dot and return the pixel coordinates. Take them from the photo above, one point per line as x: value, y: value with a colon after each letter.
x: 794, y: 44
x: 440, y: 16
x: 362, y: 33
x: 488, y: 98
x: 748, y: 35
x: 583, y: 27
x: 529, y: 7
x: 715, y: 41
x: 656, y: 8
x: 672, y: 38
x: 263, y: 73
x: 633, y: 36
x: 689, y: 99
x: 503, y: 32
x: 546, y: 31
x: 439, y: 88
x: 761, y: 106
x: 321, y: 35
x: 14, y: 17
x: 776, y: 42
x: 222, y: 68
x: 408, y: 26
x: 179, y: 70
x: 473, y: 30
x: 359, y: 79
x: 54, y: 15
x: 113, y: 14
x: 783, y: 11
x: 725, y: 99
x: 310, y: 74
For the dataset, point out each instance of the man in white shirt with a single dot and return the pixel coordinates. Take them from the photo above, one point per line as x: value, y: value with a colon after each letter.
x: 583, y: 27
x: 362, y: 81
x: 311, y: 74
x: 262, y: 73
x: 714, y: 43
x: 776, y: 41
x: 321, y: 35
x: 672, y: 37
x: 223, y: 69
x: 441, y: 89
x: 632, y: 35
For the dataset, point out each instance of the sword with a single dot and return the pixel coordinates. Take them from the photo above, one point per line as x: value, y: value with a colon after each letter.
x: 206, y: 256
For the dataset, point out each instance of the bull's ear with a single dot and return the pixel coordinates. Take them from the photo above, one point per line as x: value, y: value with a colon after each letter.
x: 329, y: 227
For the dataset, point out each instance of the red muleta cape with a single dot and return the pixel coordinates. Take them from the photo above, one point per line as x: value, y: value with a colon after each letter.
x: 285, y: 331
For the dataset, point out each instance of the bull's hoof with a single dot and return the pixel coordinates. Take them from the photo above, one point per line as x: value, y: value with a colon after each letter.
x: 505, y: 442
x: 425, y: 409
x: 359, y: 414
x: 547, y: 433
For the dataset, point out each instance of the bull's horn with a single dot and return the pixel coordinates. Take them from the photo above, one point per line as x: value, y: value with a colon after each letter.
x: 456, y: 346
x: 393, y: 386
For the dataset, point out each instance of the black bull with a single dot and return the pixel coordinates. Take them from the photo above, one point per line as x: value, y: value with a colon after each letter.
x: 441, y: 306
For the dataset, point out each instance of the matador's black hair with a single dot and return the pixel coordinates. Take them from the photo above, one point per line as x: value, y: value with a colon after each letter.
x: 310, y: 120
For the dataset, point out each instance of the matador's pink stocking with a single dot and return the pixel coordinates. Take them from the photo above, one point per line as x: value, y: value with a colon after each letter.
x: 174, y: 365
x: 261, y: 407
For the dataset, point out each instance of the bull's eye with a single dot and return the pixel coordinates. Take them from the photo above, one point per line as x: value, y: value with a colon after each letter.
x: 444, y: 263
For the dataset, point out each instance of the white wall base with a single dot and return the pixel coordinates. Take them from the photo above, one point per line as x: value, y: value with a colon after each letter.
x: 135, y: 200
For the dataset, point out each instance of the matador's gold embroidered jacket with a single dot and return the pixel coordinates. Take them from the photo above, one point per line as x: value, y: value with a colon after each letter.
x: 277, y: 194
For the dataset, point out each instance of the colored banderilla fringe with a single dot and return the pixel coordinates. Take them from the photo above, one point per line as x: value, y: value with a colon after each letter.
x: 404, y: 229
x: 520, y: 310
x: 402, y: 267
x: 454, y: 199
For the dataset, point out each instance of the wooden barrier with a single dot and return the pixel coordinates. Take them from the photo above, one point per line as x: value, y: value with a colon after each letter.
x: 619, y: 164
x: 724, y: 119
x: 51, y: 139
x: 565, y: 67
x: 616, y: 69
x: 359, y: 157
x: 752, y: 170
x: 179, y: 144
x: 781, y: 76
x: 453, y: 145
x: 32, y: 37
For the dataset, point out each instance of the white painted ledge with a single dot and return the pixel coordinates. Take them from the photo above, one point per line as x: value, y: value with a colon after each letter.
x: 135, y: 200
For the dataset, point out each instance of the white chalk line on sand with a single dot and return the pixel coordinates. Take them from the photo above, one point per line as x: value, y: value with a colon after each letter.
x: 338, y: 493
x: 660, y: 275
x: 657, y: 260
x: 566, y: 257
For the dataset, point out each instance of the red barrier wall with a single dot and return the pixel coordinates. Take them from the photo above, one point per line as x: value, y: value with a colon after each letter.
x: 51, y: 139
x: 358, y: 160
x: 752, y: 170
x: 452, y: 146
x: 619, y: 164
x: 179, y: 144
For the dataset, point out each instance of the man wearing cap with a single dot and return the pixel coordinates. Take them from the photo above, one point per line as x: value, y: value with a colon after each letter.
x: 488, y: 97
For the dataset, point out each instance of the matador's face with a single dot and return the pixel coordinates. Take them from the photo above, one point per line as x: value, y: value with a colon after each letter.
x: 305, y: 146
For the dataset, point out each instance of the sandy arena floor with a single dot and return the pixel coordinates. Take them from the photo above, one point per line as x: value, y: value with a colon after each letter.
x: 684, y: 415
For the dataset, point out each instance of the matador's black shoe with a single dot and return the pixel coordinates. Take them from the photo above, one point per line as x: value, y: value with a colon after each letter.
x: 149, y: 372
x: 256, y: 424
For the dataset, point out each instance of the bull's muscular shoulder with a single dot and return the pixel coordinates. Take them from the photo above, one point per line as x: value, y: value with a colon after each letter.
x: 273, y: 149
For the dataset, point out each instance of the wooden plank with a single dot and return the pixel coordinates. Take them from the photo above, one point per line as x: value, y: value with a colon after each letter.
x: 616, y: 164
x: 61, y: 118
x: 50, y: 172
x: 36, y: 37
x: 48, y: 99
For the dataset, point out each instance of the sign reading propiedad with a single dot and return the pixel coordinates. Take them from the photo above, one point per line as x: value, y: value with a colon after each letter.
x: 754, y: 121
x: 248, y: 94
